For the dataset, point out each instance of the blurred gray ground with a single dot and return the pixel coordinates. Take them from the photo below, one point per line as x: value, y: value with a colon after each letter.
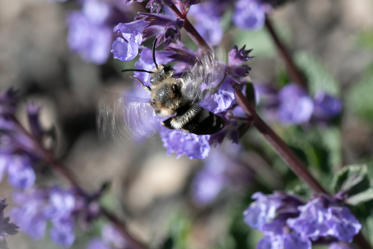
x: 146, y: 183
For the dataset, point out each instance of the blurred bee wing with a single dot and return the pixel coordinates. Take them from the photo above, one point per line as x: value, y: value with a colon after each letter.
x: 126, y: 117
x: 205, y: 77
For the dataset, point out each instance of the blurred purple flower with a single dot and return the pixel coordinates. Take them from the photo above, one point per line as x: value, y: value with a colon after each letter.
x: 249, y: 14
x: 34, y: 208
x: 326, y: 106
x: 112, y: 236
x: 20, y: 172
x: 208, y: 21
x: 97, y: 244
x: 63, y: 234
x: 91, y: 40
x: 220, y: 171
x: 323, y: 217
x: 295, y: 106
x: 6, y: 227
x: 29, y: 213
x: 182, y: 143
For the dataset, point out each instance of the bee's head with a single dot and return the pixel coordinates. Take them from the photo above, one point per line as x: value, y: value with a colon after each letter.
x: 166, y: 97
x: 161, y: 73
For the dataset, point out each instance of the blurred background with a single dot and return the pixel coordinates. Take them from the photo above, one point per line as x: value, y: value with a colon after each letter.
x: 153, y: 191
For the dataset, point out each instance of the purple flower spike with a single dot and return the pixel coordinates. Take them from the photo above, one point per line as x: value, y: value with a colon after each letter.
x: 126, y: 48
x: 326, y: 106
x: 322, y: 217
x: 236, y: 57
x: 63, y: 234
x: 124, y: 51
x: 249, y: 14
x: 29, y: 214
x: 207, y: 21
x: 269, y: 212
x: 182, y: 143
x: 296, y: 106
x: 220, y: 101
x: 20, y: 173
x: 287, y: 241
x: 91, y: 40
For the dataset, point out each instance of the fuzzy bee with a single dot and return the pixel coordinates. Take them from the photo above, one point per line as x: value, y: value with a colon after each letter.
x: 177, y: 99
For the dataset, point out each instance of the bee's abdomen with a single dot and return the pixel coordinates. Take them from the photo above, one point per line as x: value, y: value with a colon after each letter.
x: 196, y: 120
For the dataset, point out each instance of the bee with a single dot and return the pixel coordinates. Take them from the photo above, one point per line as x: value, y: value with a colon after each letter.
x: 176, y: 100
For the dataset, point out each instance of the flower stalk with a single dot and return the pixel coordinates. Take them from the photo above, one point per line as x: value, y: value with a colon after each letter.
x: 189, y: 27
x: 292, y: 69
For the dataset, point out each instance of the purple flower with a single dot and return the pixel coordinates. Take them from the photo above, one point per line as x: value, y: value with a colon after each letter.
x: 20, y: 172
x: 164, y: 28
x: 323, y: 217
x: 90, y: 39
x: 6, y: 227
x: 154, y: 6
x: 269, y: 212
x: 126, y: 48
x: 61, y: 203
x: 112, y: 236
x: 63, y: 234
x: 221, y: 100
x: 236, y: 61
x: 326, y: 106
x: 287, y: 241
x: 98, y: 244
x: 182, y: 143
x: 249, y: 14
x: 206, y: 186
x: 207, y: 21
x: 29, y: 213
x: 295, y: 106
x: 220, y: 171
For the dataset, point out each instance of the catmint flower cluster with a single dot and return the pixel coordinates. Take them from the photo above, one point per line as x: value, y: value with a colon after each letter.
x: 90, y: 28
x: 17, y: 154
x: 166, y: 28
x: 21, y: 154
x: 288, y: 223
x: 61, y: 207
x: 293, y: 105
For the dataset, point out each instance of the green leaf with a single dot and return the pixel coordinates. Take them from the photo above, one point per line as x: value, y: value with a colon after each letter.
x: 319, y: 79
x: 359, y: 98
x: 250, y: 94
x: 352, y: 180
x: 364, y: 196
